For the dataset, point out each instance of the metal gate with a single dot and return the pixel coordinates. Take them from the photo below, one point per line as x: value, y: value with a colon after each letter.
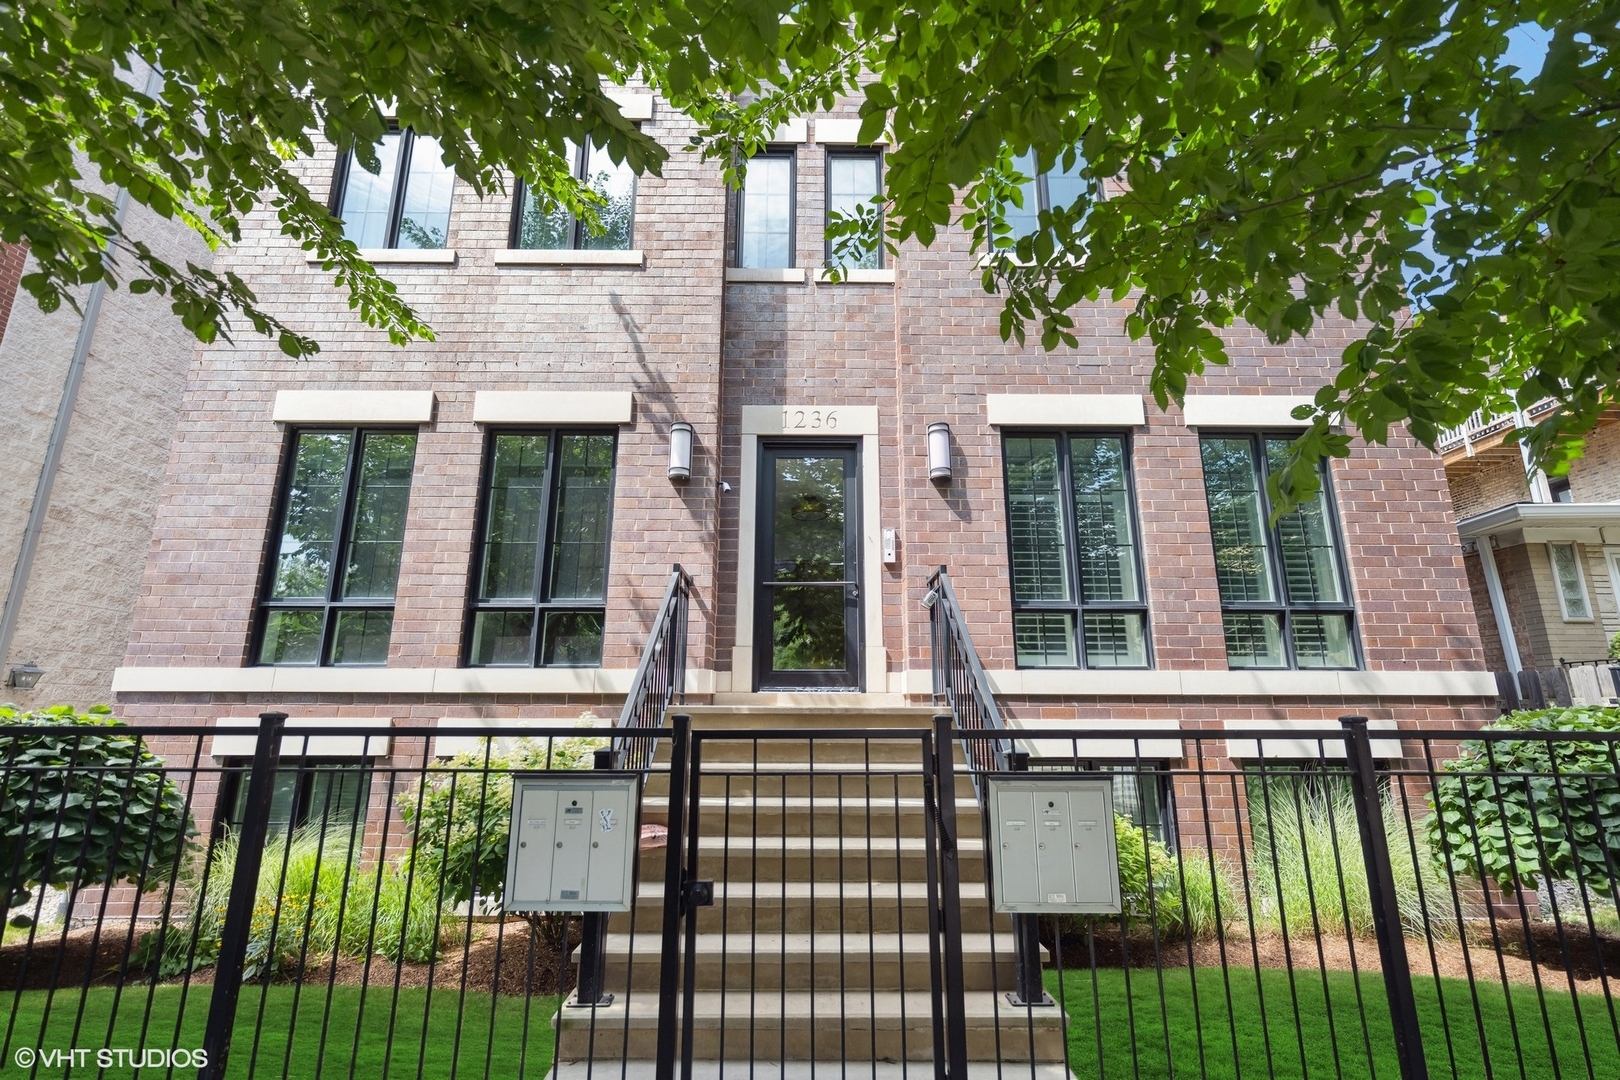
x: 808, y: 931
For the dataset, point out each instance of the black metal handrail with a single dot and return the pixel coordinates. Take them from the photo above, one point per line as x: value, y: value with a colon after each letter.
x: 660, y: 677
x: 959, y: 678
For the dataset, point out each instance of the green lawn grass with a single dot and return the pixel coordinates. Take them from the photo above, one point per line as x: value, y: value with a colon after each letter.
x: 357, y: 1033
x: 1182, y: 1039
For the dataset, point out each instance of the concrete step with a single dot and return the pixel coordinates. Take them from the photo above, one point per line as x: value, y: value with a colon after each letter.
x: 766, y: 1069
x: 822, y: 779
x: 811, y: 1026
x: 767, y: 961
x: 810, y: 858
x: 855, y: 813
x: 883, y: 906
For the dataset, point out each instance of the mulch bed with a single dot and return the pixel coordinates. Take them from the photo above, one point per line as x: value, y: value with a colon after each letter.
x: 498, y: 959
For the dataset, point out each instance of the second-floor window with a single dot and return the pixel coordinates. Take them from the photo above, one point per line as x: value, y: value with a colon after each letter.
x: 854, y: 180
x: 1285, y: 596
x: 538, y: 225
x: 1058, y: 187
x: 405, y: 204
x: 1076, y: 572
x: 329, y: 598
x: 765, y: 212
x: 541, y: 585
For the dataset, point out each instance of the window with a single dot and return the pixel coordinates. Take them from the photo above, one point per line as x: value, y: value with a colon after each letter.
x: 1058, y: 187
x: 537, y: 225
x: 330, y: 594
x: 1558, y: 488
x: 541, y: 585
x: 765, y: 213
x: 1071, y: 531
x: 321, y: 794
x: 854, y: 180
x: 1284, y: 598
x: 405, y: 204
x: 1566, y: 566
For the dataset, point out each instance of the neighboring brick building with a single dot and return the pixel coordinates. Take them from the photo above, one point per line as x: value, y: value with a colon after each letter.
x: 1543, y: 554
x: 818, y: 395
x: 70, y: 612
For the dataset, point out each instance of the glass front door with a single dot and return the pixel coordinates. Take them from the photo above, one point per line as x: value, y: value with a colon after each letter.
x: 807, y: 613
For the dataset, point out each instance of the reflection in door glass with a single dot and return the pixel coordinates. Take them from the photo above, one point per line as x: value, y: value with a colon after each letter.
x: 808, y: 546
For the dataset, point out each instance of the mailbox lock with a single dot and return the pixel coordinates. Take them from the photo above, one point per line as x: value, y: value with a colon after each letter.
x: 598, y: 843
x: 559, y: 843
x: 523, y: 843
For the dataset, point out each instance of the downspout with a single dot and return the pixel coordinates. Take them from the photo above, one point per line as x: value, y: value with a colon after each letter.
x: 53, y: 451
x: 1499, y: 608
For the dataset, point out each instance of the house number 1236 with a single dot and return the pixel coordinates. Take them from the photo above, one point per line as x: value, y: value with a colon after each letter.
x: 809, y: 419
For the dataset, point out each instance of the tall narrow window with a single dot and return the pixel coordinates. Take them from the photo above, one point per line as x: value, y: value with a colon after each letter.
x: 854, y: 181
x: 541, y: 224
x: 405, y: 203
x: 1076, y: 578
x: 330, y: 594
x: 542, y: 575
x: 765, y: 213
x: 1285, y: 601
x: 1572, y: 597
x: 1057, y: 187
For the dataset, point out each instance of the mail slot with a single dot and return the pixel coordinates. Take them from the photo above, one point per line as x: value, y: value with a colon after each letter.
x: 1052, y: 846
x: 573, y: 843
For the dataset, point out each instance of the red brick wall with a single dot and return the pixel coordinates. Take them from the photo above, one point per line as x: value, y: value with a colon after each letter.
x: 923, y: 350
x: 12, y: 258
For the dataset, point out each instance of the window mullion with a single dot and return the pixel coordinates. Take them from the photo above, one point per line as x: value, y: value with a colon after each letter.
x: 1279, y: 580
x: 1071, y: 537
x: 340, y: 545
x: 396, y: 204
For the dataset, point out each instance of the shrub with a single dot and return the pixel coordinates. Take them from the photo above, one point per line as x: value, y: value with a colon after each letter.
x: 1522, y: 809
x: 462, y: 820
x: 83, y: 803
x: 1614, y: 647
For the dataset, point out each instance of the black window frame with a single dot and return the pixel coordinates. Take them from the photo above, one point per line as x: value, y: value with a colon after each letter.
x: 873, y: 152
x: 576, y: 227
x: 543, y: 571
x: 396, y: 199
x: 1077, y: 606
x: 791, y: 154
x: 1284, y: 605
x: 304, y: 770
x: 340, y: 545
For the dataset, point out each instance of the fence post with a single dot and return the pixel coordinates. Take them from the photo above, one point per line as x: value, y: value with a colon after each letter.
x: 593, y: 940
x: 950, y: 902
x: 669, y: 967
x: 244, y: 888
x: 1028, y: 988
x: 1386, y: 910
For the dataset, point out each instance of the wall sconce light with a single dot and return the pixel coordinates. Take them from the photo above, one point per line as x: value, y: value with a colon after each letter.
x: 25, y: 677
x: 680, y: 451
x: 939, y: 452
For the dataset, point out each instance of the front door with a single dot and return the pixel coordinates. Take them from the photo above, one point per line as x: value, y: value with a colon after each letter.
x: 807, y: 602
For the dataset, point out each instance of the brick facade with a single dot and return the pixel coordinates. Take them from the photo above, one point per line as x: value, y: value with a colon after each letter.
x: 691, y: 347
x: 12, y: 259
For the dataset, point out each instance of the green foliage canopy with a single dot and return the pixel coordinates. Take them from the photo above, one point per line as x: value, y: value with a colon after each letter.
x: 1277, y: 164
x: 84, y: 803
x: 248, y: 85
x: 1520, y: 809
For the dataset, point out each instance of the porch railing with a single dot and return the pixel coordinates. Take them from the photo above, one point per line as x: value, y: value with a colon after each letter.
x: 660, y: 677
x: 959, y: 678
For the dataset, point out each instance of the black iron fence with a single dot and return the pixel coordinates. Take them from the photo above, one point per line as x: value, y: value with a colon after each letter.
x: 307, y: 902
x: 1338, y: 903
x: 190, y: 901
